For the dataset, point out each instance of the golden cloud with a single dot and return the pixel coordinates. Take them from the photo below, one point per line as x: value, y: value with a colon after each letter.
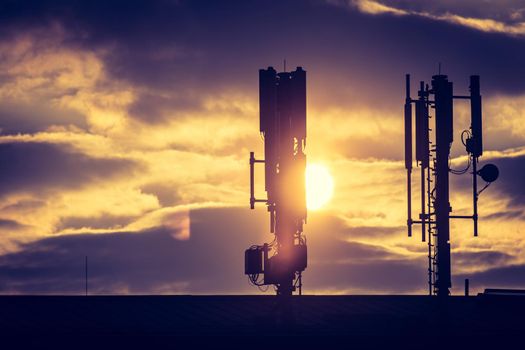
x: 482, y: 24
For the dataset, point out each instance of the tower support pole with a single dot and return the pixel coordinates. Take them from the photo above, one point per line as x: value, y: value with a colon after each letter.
x: 443, y: 104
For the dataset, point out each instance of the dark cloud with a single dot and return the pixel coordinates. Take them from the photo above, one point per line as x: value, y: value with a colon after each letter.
x: 165, y: 192
x: 198, y: 46
x: 344, y: 251
x: 40, y: 167
x: 25, y: 118
x: 57, y: 264
x: 481, y: 258
x: 509, y: 184
x: 337, y: 263
x: 508, y: 214
x: 12, y: 225
x: 319, y: 223
x: 375, y: 231
x: 347, y: 51
x: 236, y: 146
x: 154, y: 108
x: 374, y: 276
x: 512, y: 276
x: 359, y: 147
x: 140, y: 262
x: 24, y: 205
x: 211, y: 261
x: 103, y: 221
x: 510, y: 181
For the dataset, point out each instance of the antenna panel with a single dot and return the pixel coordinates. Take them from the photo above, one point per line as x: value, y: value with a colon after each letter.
x: 422, y: 134
x: 408, y: 126
x: 476, y: 124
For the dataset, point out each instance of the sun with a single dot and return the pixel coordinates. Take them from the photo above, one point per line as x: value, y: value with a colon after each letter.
x: 319, y: 186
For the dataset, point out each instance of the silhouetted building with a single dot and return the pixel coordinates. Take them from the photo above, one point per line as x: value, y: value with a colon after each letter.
x: 382, y: 322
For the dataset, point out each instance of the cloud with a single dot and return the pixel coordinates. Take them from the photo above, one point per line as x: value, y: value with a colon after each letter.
x: 508, y: 214
x: 503, y: 10
x: 375, y: 8
x: 6, y: 224
x: 344, y: 259
x: 43, y: 167
x: 372, y: 277
x: 402, y: 8
x: 512, y: 172
x: 481, y: 259
x: 210, y: 260
x: 65, y: 84
x: 20, y: 117
x: 159, y: 106
x: 157, y: 259
x: 147, y: 261
x: 370, y: 232
x: 511, y: 276
x: 104, y: 221
x: 511, y: 165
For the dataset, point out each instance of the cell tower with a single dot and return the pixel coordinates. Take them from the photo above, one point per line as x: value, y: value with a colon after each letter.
x: 282, y: 99
x: 433, y: 159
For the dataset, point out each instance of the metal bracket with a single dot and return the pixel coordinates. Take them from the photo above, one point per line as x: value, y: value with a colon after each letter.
x: 253, y: 200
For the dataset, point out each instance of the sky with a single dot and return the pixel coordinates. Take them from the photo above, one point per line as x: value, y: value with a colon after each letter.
x: 125, y: 130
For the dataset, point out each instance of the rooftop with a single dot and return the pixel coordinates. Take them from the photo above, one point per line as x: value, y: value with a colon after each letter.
x: 370, y: 319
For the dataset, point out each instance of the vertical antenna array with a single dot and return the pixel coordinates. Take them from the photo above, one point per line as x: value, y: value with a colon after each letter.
x: 433, y: 159
x: 282, y: 99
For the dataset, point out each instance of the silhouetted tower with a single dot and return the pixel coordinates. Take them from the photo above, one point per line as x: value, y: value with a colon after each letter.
x: 283, y: 126
x: 433, y: 158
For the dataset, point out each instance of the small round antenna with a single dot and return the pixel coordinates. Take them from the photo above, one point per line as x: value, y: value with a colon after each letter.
x: 489, y: 173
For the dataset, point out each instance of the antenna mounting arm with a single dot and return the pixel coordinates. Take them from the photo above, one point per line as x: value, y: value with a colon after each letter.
x: 253, y: 200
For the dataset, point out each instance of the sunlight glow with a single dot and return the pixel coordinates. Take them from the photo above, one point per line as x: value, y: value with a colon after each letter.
x: 319, y: 186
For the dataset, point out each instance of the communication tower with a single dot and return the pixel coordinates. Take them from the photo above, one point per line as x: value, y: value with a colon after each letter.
x: 282, y: 101
x: 433, y: 159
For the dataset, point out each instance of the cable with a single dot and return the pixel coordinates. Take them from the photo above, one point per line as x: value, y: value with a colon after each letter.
x: 463, y: 140
x: 465, y: 135
x: 263, y: 289
x: 459, y: 172
x: 484, y: 188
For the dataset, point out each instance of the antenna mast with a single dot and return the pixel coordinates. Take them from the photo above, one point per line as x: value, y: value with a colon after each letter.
x: 432, y: 156
x: 283, y: 125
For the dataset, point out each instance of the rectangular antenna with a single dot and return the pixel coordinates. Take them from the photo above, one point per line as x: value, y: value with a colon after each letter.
x: 422, y: 134
x: 476, y: 123
x: 298, y: 101
x: 408, y: 126
x: 408, y: 152
x: 449, y: 106
x: 267, y: 97
x: 422, y: 149
x: 298, y: 132
x: 268, y: 124
x: 252, y: 180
